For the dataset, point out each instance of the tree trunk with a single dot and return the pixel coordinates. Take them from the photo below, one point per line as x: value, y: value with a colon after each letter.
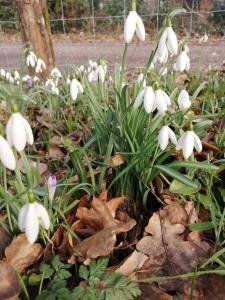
x: 36, y: 32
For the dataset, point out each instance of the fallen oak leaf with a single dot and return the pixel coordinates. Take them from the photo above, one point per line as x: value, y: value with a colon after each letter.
x: 116, y: 161
x: 102, y: 242
x: 21, y: 254
x: 9, y: 282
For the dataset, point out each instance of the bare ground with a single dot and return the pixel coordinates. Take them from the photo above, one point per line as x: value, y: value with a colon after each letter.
x: 68, y: 53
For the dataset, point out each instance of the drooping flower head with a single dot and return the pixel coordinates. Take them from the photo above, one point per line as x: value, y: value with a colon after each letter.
x: 52, y: 182
x: 6, y: 154
x: 187, y: 142
x: 133, y: 24
x: 166, y: 134
x: 31, y: 216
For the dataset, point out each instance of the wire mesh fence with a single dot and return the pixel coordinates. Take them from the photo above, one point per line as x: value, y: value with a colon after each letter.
x: 105, y: 16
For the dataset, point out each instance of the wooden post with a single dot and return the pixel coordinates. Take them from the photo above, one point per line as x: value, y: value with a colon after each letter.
x: 36, y: 32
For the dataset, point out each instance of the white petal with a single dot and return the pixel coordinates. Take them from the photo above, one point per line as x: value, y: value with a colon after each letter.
x: 140, y: 29
x: 9, y: 131
x: 73, y: 90
x: 160, y: 102
x: 172, y: 43
x: 181, y: 141
x: 6, y: 155
x: 163, y: 137
x: 22, y: 217
x: 138, y: 101
x: 197, y: 142
x: 43, y: 216
x: 130, y: 26
x: 149, y: 99
x: 184, y: 100
x: 172, y: 136
x: 28, y: 130
x: 18, y: 133
x: 188, y: 145
x: 31, y: 223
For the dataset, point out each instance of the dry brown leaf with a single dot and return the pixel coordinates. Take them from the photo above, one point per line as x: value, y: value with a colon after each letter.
x: 54, y: 150
x: 33, y: 165
x: 9, y: 282
x: 21, y: 254
x: 116, y: 161
x: 5, y: 240
x: 133, y: 263
x: 114, y: 203
x: 171, y: 250
x: 152, y: 292
x: 102, y: 242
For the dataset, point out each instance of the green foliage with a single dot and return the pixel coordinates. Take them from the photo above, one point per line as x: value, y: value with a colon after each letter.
x: 101, y: 285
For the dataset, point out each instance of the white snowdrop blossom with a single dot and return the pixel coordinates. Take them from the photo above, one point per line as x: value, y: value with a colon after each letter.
x: 68, y: 81
x: 168, y: 44
x: 133, y: 24
x: 75, y: 88
x: 40, y: 66
x: 100, y: 73
x: 26, y: 77
x: 6, y: 154
x: 16, y: 75
x: 184, y: 101
x: 31, y: 216
x: 52, y: 182
x: 92, y: 64
x: 8, y: 75
x: 36, y: 79
x: 147, y: 96
x: 162, y: 101
x: 19, y: 132
x: 81, y: 69
x: 56, y: 73
x: 204, y: 38
x: 2, y: 73
x: 91, y: 76
x: 31, y: 59
x: 182, y: 62
x: 166, y: 134
x: 140, y: 78
x: 54, y: 89
x: 187, y: 142
x: 11, y: 79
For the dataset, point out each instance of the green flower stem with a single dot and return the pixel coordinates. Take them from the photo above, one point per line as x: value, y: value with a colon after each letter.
x: 123, y: 64
x: 133, y: 5
x: 20, y: 185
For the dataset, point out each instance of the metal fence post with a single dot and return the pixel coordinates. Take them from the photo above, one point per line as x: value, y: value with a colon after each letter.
x: 93, y: 17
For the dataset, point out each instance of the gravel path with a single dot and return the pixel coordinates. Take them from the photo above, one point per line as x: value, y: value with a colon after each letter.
x: 67, y: 53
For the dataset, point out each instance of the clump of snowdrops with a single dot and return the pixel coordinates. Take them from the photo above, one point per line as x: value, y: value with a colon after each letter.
x: 147, y: 121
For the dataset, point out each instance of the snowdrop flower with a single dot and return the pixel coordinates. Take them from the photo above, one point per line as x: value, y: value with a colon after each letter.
x: 8, y: 75
x: 187, y: 142
x: 75, y: 88
x: 26, y: 77
x: 133, y: 23
x: 68, y: 81
x: 182, y: 62
x: 31, y: 216
x: 91, y: 76
x: 11, y: 79
x: 100, y: 73
x: 2, y: 73
x: 40, y: 66
x: 81, y: 69
x: 31, y: 59
x: 167, y: 45
x: 19, y: 132
x: 147, y: 95
x: 52, y: 182
x: 56, y: 73
x: 204, y: 38
x: 184, y: 100
x: 6, y: 154
x: 166, y: 134
x: 16, y: 75
x: 36, y: 79
x: 92, y: 64
x: 162, y: 101
x: 140, y: 78
x: 54, y: 89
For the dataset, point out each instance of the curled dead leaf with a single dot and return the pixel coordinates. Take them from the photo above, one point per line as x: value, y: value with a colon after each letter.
x: 21, y: 254
x: 116, y: 161
x: 9, y: 282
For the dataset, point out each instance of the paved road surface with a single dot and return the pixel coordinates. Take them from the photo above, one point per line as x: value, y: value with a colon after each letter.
x: 67, y: 53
